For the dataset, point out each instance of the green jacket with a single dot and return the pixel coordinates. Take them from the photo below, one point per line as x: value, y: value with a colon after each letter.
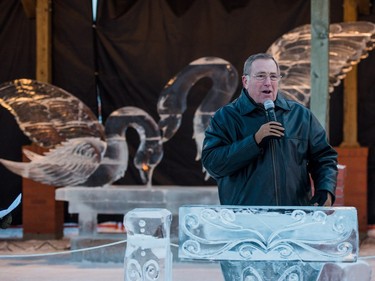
x: 277, y: 173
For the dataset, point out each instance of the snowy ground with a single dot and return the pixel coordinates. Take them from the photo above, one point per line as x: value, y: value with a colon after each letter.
x: 36, y: 260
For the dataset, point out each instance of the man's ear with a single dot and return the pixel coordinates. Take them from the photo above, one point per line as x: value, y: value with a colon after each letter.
x: 245, y: 80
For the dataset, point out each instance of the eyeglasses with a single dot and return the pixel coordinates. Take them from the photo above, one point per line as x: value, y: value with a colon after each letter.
x: 263, y: 76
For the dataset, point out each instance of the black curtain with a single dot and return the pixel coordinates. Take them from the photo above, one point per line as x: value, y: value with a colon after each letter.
x: 140, y: 46
x: 17, y: 56
x: 127, y: 55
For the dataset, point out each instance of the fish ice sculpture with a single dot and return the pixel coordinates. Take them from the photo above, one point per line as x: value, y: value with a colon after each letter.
x: 349, y: 42
x: 81, y: 151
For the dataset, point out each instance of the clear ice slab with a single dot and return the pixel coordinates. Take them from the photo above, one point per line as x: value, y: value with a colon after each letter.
x: 269, y: 243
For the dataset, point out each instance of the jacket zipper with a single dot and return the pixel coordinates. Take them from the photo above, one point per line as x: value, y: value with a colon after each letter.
x: 274, y: 171
x: 272, y: 143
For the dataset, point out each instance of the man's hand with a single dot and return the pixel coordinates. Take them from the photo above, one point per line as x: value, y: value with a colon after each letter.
x: 322, y: 198
x: 268, y: 130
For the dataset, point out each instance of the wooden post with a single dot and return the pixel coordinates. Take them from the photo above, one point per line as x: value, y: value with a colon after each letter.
x: 350, y: 131
x: 43, y: 41
x: 350, y: 153
x: 42, y: 215
x: 319, y: 99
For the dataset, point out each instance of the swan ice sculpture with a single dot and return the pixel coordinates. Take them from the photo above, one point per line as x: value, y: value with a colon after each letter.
x: 81, y: 151
x: 349, y: 42
x: 172, y: 100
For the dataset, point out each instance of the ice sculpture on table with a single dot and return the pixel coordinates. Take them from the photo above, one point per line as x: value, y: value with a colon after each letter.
x: 269, y: 243
x: 147, y: 156
x: 148, y: 255
x: 349, y: 42
x: 82, y: 152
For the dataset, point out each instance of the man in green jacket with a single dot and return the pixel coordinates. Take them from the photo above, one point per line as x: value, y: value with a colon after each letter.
x: 266, y: 157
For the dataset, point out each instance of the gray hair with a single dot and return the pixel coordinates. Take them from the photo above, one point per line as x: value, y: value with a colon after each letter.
x: 248, y: 63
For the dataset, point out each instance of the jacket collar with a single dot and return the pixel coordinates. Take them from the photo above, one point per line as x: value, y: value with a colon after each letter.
x: 247, y: 104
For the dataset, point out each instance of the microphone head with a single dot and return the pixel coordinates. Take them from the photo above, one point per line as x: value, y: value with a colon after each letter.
x: 268, y: 104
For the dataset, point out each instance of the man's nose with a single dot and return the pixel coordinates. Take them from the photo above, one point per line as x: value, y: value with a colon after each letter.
x: 267, y: 81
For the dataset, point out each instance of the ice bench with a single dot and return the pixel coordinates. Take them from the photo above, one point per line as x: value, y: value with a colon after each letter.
x: 274, y: 243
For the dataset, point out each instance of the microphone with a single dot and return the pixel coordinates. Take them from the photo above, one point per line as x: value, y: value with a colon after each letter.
x: 269, y: 106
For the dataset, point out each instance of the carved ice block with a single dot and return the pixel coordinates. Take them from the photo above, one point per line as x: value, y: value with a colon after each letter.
x: 269, y: 243
x: 148, y: 255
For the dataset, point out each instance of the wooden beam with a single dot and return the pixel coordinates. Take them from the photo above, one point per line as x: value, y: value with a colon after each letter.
x: 43, y: 41
x: 319, y: 72
x: 350, y: 126
x: 350, y: 153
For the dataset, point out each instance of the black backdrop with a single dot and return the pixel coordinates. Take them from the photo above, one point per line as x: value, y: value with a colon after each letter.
x: 132, y: 50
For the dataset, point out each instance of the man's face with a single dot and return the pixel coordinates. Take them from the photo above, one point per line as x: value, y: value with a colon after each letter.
x: 262, y: 81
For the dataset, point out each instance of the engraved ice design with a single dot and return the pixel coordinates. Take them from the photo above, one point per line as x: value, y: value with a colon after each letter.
x: 269, y: 243
x: 241, y: 233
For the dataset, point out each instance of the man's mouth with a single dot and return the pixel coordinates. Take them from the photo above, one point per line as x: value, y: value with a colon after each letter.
x: 267, y: 92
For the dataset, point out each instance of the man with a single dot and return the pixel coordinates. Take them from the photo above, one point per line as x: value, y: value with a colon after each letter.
x: 260, y: 162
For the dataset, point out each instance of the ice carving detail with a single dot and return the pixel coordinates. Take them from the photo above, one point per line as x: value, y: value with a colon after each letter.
x: 207, y: 235
x: 55, y: 119
x: 82, y: 151
x: 269, y: 242
x: 349, y: 43
x: 172, y: 100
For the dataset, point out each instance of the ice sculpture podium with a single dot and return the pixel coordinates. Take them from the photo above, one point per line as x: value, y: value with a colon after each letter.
x: 273, y: 243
